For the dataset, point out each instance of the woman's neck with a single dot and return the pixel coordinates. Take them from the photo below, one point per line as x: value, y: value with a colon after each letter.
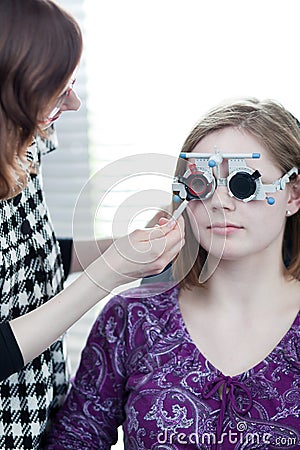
x: 248, y: 283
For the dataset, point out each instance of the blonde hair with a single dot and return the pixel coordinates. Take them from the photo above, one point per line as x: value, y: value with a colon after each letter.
x: 278, y: 131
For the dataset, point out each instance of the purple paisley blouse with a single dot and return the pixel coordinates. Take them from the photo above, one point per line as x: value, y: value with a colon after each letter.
x: 141, y: 369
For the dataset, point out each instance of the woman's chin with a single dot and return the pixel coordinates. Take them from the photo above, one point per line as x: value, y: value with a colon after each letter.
x: 226, y: 252
x: 48, y: 122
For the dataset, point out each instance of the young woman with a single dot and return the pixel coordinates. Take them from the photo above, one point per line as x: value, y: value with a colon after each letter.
x: 212, y: 362
x: 40, y: 48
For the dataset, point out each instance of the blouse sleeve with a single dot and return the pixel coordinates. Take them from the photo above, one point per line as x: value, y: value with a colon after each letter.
x: 11, y: 359
x: 94, y: 407
x: 66, y: 246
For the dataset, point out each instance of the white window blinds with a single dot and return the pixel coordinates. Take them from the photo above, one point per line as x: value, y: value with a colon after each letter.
x: 66, y: 170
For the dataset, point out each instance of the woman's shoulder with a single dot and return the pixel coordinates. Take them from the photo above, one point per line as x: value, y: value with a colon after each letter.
x: 149, y: 303
x: 133, y: 317
x: 156, y: 296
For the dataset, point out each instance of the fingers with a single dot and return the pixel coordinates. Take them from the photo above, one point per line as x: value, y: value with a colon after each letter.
x: 147, y: 251
x: 165, y: 248
x: 161, y: 262
x: 172, y: 228
x: 170, y: 235
x: 161, y: 230
x: 167, y: 243
x: 163, y: 221
x: 146, y: 246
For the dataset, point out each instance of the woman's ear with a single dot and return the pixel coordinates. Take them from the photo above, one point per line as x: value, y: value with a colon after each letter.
x: 293, y: 204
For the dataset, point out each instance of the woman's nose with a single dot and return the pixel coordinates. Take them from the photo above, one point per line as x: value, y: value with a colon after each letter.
x: 222, y: 200
x: 71, y: 103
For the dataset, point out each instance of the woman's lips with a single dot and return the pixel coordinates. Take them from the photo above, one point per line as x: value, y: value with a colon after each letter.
x: 49, y: 121
x: 224, y: 229
x: 57, y: 116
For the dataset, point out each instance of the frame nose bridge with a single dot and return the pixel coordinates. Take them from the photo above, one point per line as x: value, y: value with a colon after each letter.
x: 221, y: 173
x: 221, y: 182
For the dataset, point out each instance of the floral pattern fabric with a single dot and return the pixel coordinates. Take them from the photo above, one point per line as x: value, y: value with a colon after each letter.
x: 141, y: 369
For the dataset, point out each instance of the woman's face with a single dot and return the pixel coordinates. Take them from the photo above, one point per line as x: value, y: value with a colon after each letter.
x: 229, y: 228
x: 66, y: 101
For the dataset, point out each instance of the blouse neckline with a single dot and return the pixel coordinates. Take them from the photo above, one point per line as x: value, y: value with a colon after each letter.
x: 219, y: 372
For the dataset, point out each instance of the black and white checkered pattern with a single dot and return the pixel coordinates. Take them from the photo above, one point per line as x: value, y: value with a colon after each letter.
x: 31, y: 273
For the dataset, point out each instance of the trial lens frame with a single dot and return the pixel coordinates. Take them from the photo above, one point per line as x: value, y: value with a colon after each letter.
x: 243, y: 183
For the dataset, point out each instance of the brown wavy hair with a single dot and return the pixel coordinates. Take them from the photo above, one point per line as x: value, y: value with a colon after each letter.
x: 278, y: 131
x: 40, y: 46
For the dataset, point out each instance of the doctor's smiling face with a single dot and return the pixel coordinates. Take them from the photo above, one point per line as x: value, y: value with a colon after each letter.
x: 229, y: 228
x: 67, y: 100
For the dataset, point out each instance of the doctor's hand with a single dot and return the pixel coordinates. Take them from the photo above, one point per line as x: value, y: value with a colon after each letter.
x: 141, y: 253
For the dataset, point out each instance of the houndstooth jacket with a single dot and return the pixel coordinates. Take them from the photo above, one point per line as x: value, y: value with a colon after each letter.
x: 30, y: 274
